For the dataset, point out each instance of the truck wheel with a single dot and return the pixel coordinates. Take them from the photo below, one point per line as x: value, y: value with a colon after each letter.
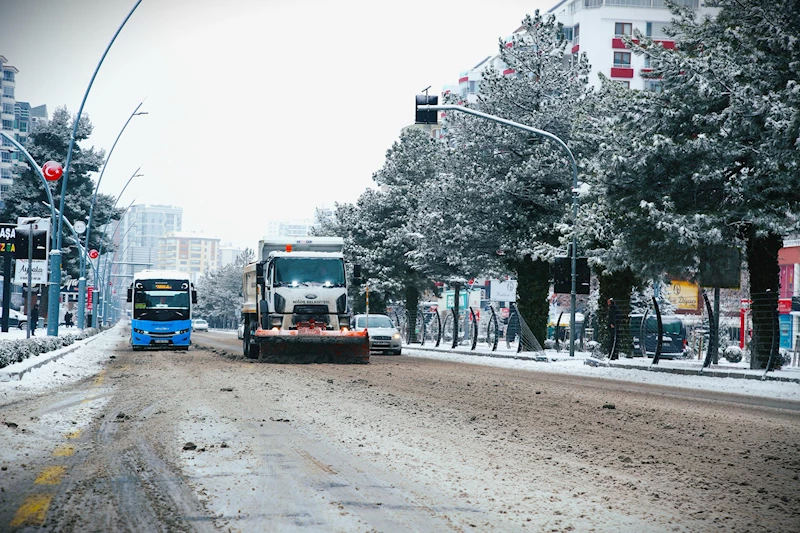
x: 250, y: 351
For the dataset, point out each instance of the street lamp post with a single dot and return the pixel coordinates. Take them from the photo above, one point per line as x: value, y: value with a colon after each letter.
x: 563, y: 145
x: 55, y: 284
x: 98, y: 282
x: 82, y: 280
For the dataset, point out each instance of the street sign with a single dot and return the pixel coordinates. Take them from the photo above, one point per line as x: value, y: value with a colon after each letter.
x: 80, y: 226
x: 94, y: 254
x: 7, y: 238
x: 89, y: 292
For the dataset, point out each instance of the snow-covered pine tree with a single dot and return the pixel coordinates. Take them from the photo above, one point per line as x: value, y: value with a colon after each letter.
x: 47, y: 142
x: 714, y: 157
x: 524, y: 181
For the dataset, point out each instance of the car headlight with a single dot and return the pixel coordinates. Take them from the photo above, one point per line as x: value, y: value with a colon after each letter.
x: 396, y: 336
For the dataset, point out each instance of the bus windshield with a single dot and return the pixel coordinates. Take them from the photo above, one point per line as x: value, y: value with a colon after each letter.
x: 309, y: 272
x: 161, y: 305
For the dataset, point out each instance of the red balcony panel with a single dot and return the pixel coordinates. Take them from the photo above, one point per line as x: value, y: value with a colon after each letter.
x: 509, y: 45
x: 645, y: 70
x: 463, y: 80
x: 508, y: 71
x: 617, y: 43
x: 667, y: 44
x: 576, y: 48
x: 617, y: 72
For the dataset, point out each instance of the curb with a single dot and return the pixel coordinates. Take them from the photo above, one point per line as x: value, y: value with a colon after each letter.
x: 44, y: 358
x: 651, y: 368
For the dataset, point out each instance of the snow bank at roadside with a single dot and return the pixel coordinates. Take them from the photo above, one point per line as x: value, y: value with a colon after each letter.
x: 749, y: 387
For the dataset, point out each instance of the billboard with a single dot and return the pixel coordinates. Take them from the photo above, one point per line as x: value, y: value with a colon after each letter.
x: 684, y: 295
x: 31, y: 238
x: 503, y: 291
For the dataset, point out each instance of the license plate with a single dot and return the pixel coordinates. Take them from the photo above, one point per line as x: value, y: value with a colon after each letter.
x: 161, y: 341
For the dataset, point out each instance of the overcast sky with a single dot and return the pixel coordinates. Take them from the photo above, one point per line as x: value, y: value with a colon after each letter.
x: 258, y: 109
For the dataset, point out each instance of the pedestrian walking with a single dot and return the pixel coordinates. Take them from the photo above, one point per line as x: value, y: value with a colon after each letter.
x: 34, y: 318
x: 68, y: 319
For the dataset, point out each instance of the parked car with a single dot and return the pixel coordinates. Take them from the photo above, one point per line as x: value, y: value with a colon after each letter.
x: 198, y: 324
x: 15, y: 318
x: 383, y: 335
x: 673, y: 337
x: 240, y: 330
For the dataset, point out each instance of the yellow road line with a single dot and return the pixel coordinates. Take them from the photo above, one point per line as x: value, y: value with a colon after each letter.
x: 64, y: 450
x: 73, y: 434
x: 99, y: 379
x: 32, y: 511
x: 51, y: 475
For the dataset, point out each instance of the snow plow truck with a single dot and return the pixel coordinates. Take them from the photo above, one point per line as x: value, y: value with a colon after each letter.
x: 296, y: 308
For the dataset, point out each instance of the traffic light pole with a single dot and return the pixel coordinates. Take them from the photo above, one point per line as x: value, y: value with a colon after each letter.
x: 563, y: 145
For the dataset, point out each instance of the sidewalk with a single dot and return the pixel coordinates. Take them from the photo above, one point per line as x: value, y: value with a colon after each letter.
x: 689, y: 367
x: 15, y: 371
x: 14, y: 333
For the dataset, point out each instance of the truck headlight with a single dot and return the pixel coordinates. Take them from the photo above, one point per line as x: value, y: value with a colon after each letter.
x: 396, y: 336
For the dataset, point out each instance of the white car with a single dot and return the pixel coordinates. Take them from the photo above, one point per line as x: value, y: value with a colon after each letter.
x: 198, y: 324
x: 15, y: 318
x: 383, y: 335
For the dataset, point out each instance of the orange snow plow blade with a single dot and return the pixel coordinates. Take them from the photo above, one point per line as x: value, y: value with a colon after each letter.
x: 312, y: 345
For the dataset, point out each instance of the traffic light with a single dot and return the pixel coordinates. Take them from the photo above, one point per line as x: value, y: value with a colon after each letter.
x: 424, y: 116
x: 562, y: 275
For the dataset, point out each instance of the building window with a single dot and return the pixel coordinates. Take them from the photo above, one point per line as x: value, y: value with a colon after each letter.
x: 624, y: 83
x: 622, y: 59
x: 568, y: 33
x: 623, y: 28
x: 8, y: 75
x: 653, y: 85
x: 8, y: 124
x: 655, y: 30
x: 576, y: 34
x: 8, y: 92
x: 8, y: 109
x: 6, y: 173
x: 5, y: 188
x: 474, y: 86
x: 6, y: 157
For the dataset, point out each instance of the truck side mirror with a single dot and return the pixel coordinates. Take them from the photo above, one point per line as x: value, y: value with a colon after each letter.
x: 130, y: 295
x: 357, y: 272
x: 259, y: 273
x: 194, y: 296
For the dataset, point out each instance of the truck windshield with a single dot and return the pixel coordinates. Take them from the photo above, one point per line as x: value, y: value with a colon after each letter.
x: 308, y: 271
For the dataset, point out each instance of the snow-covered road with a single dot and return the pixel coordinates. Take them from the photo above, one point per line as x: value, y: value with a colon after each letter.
x: 200, y: 441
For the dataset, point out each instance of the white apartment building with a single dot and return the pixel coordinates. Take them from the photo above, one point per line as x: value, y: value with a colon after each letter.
x: 289, y: 228
x: 228, y: 254
x: 18, y: 119
x: 596, y: 28
x: 137, y: 238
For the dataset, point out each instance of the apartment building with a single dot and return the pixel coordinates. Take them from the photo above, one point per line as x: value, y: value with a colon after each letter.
x: 597, y: 28
x: 193, y: 253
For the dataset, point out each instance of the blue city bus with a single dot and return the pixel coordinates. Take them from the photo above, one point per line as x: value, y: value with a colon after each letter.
x: 162, y: 309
